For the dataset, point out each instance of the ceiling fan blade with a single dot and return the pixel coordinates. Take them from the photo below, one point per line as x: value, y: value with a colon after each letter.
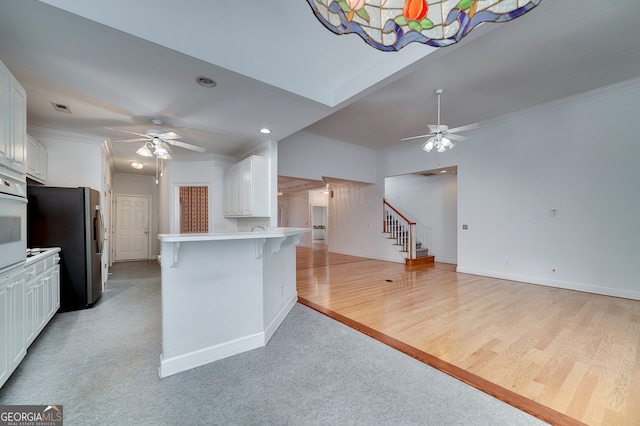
x: 463, y: 128
x: 417, y: 137
x: 185, y: 145
x: 455, y: 137
x: 169, y: 135
x: 126, y: 131
x: 167, y: 147
x: 131, y: 140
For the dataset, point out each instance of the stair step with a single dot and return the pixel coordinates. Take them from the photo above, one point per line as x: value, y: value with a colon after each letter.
x: 425, y: 260
x: 422, y: 252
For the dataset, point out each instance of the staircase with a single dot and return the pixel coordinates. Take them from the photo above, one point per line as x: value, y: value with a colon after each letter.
x: 402, y: 234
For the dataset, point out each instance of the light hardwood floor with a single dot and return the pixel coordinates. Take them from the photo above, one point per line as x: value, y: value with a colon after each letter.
x: 564, y: 356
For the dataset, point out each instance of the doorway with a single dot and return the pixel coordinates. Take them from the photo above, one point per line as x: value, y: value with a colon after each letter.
x: 132, y: 227
x: 319, y: 224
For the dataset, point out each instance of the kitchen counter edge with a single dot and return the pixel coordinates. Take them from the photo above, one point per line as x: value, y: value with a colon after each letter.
x: 221, y: 236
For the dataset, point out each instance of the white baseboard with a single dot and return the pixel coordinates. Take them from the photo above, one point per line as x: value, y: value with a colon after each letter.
x: 567, y: 285
x: 273, y: 326
x: 178, y: 364
x: 204, y: 356
x: 445, y: 260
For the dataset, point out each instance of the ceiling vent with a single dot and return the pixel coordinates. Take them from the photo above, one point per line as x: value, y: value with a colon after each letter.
x: 61, y: 108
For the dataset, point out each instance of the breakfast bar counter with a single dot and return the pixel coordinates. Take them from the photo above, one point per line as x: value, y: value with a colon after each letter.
x: 224, y: 293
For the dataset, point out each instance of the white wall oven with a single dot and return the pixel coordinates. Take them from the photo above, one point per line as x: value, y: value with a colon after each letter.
x: 13, y: 219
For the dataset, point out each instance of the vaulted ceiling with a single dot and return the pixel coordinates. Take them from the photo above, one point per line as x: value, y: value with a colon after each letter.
x: 117, y: 64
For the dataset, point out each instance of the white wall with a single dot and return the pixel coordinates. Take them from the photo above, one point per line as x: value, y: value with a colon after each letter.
x: 76, y: 160
x: 355, y: 223
x: 430, y: 201
x: 163, y: 201
x: 72, y: 160
x: 206, y: 173
x: 578, y: 157
x: 295, y: 211
x: 308, y: 156
x: 127, y: 184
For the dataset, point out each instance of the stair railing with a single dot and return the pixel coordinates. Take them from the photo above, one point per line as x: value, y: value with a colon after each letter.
x: 400, y: 228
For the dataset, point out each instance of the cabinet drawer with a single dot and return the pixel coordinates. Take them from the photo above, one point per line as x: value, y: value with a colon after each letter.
x: 39, y: 267
x: 30, y: 272
x: 51, y: 261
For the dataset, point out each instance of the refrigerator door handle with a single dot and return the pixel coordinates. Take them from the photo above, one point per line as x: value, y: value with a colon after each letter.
x: 98, y: 231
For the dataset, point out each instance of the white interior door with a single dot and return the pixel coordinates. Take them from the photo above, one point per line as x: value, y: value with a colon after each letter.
x: 132, y: 227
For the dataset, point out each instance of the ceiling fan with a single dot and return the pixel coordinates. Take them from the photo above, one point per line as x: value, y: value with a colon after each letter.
x: 155, y: 141
x: 440, y: 136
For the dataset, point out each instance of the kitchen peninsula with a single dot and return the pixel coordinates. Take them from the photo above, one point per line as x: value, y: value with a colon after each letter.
x: 224, y: 293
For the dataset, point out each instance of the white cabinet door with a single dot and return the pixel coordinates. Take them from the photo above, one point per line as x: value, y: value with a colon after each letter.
x: 13, y: 122
x: 30, y: 313
x: 247, y: 188
x: 32, y: 158
x: 18, y: 337
x: 39, y: 297
x: 5, y: 331
x: 12, y: 323
x: 229, y: 186
x: 42, y: 164
x: 55, y: 288
x: 19, y: 126
x: 36, y: 160
x: 5, y: 118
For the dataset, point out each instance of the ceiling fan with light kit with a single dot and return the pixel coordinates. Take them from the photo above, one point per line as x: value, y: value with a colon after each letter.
x: 441, y: 136
x: 156, y: 142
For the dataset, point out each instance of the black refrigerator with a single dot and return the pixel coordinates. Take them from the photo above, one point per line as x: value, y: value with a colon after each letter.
x: 69, y: 218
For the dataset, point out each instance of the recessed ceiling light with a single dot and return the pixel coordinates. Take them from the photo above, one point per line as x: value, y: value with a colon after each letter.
x: 265, y: 131
x: 137, y: 166
x: 206, y: 81
x: 443, y: 171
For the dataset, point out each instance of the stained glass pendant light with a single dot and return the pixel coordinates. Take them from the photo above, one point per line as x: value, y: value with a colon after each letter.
x: 390, y: 25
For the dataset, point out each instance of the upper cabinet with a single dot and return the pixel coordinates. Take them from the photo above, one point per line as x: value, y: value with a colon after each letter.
x: 36, y: 161
x: 247, y: 188
x: 13, y: 122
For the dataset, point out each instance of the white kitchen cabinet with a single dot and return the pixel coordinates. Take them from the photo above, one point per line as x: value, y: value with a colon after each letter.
x: 51, y: 286
x: 29, y: 297
x: 36, y: 160
x: 12, y: 322
x: 247, y: 188
x: 13, y: 122
x: 5, y: 330
x: 30, y: 306
x: 42, y: 294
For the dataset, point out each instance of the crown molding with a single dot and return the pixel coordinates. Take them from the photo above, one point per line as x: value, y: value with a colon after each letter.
x: 569, y: 100
x: 63, y: 135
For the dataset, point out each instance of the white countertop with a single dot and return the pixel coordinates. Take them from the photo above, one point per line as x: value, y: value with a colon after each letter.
x: 46, y: 252
x: 221, y: 236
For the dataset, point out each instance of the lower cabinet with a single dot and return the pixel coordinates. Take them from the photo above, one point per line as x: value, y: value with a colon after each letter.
x: 13, y: 345
x: 29, y: 297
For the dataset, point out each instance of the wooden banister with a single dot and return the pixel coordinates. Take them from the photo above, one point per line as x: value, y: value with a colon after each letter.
x: 400, y: 228
x: 386, y: 203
